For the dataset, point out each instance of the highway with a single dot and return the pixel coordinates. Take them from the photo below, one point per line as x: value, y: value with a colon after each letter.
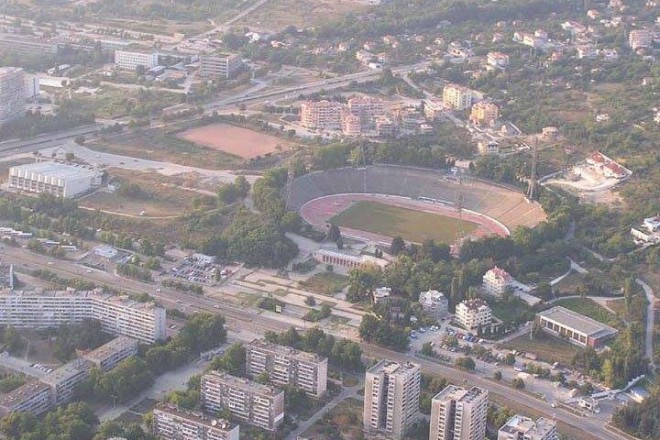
x: 245, y: 319
x: 47, y: 140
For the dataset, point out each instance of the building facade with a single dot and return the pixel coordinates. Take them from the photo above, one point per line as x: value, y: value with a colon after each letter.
x: 172, y: 424
x: 12, y: 93
x: 320, y: 115
x: 640, y: 39
x: 457, y: 97
x: 391, y: 398
x: 434, y: 303
x: 118, y: 315
x: 53, y: 178
x: 473, y: 313
x: 459, y: 414
x: 253, y: 403
x: 523, y: 428
x: 33, y: 397
x: 65, y: 380
x: 131, y: 60
x: 107, y: 356
x: 348, y: 261
x: 496, y: 281
x: 287, y: 366
x: 484, y: 113
x: 577, y: 329
x: 223, y: 66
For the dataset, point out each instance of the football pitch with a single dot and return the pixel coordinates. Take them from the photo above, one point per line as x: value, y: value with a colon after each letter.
x: 393, y: 221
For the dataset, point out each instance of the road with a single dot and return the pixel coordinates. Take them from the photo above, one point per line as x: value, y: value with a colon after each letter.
x: 223, y: 27
x: 48, y: 140
x: 241, y: 319
x: 650, y: 321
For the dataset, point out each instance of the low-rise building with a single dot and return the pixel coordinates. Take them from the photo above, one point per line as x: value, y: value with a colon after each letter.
x: 473, y: 313
x: 488, y: 148
x: 221, y: 66
x: 253, y: 403
x: 132, y: 59
x: 287, y: 366
x: 33, y: 397
x: 640, y: 39
x: 496, y: 281
x: 382, y: 294
x: 348, y: 261
x: 434, y: 303
x: 170, y: 423
x: 497, y: 59
x: 65, y: 380
x: 586, y: 51
x: 53, y: 178
x: 577, y: 329
x: 523, y: 428
x: 107, y: 356
x: 652, y: 224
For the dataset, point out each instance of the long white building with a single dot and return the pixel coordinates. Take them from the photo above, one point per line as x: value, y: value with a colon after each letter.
x: 287, y: 366
x: 12, y: 93
x: 459, y: 414
x: 171, y: 423
x: 119, y: 315
x: 53, y: 178
x: 130, y: 60
x: 107, y: 356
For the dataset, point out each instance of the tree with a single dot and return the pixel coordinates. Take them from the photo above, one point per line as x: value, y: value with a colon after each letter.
x: 544, y: 291
x: 497, y: 375
x: 361, y: 282
x: 334, y: 234
x: 232, y: 361
x: 427, y: 349
x: 518, y: 383
x: 465, y: 363
x: 310, y: 301
x: 242, y: 186
x: 397, y: 246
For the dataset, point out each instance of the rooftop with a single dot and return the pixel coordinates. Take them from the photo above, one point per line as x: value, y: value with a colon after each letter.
x: 243, y: 384
x: 574, y: 320
x: 66, y: 371
x: 528, y: 427
x: 431, y: 295
x: 474, y: 304
x: 460, y: 394
x: 391, y: 367
x: 197, y: 417
x: 287, y: 351
x: 98, y: 294
x: 22, y: 393
x: 112, y: 347
x: 55, y: 169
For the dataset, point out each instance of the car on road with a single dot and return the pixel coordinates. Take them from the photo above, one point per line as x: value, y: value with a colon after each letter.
x: 173, y: 326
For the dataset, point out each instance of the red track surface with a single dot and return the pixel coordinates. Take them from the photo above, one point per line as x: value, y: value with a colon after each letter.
x: 319, y: 211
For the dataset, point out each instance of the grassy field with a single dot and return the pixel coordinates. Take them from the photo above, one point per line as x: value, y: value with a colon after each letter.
x: 511, y: 310
x: 326, y: 283
x: 344, y: 421
x: 546, y: 347
x: 393, y: 221
x: 587, y: 307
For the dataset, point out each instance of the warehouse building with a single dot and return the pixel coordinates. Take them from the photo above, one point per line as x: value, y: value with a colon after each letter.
x: 53, y: 178
x: 577, y: 329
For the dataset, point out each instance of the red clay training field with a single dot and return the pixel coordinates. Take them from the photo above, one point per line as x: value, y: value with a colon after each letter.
x: 318, y: 213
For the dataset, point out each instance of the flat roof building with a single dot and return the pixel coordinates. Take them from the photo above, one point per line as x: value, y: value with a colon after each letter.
x: 33, y: 397
x: 221, y: 66
x: 256, y: 404
x: 53, y: 178
x: 578, y: 329
x: 132, y: 59
x: 473, y: 313
x: 119, y: 315
x: 320, y: 115
x: 107, y: 356
x: 523, y: 428
x: 288, y: 366
x: 334, y: 258
x: 65, y: 380
x: 459, y: 414
x: 391, y: 398
x: 170, y: 423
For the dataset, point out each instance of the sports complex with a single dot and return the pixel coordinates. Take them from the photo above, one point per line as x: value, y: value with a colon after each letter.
x: 376, y: 203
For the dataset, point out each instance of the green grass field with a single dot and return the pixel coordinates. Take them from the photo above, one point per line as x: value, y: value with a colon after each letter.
x: 393, y: 221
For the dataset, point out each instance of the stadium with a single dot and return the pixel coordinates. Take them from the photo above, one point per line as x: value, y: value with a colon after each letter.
x: 378, y: 202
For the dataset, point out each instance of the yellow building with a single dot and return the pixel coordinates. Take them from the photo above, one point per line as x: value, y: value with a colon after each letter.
x: 457, y: 97
x: 484, y: 113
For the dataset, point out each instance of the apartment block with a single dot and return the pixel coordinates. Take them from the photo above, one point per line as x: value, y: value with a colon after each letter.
x: 131, y: 59
x: 119, y: 315
x: 473, y: 313
x: 496, y: 281
x: 33, y: 397
x: 459, y: 414
x: 321, y: 115
x: 484, y: 113
x: 223, y: 66
x: 253, y: 403
x: 170, y: 423
x: 288, y: 366
x: 107, y: 356
x: 12, y: 93
x: 640, y: 39
x: 457, y: 97
x: 391, y: 398
x: 25, y: 46
x: 65, y: 380
x: 366, y: 107
x: 523, y: 428
x: 434, y: 303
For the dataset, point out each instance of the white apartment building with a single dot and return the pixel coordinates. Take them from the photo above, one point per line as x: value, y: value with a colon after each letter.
x: 222, y: 66
x: 523, y: 428
x: 172, y: 424
x: 459, y: 414
x: 53, y: 178
x: 12, y: 93
x: 434, y: 303
x: 253, y: 403
x: 496, y: 281
x: 65, y: 380
x: 473, y: 313
x: 287, y: 366
x: 457, y: 97
x: 107, y: 356
x: 320, y: 115
x: 33, y: 397
x: 119, y: 315
x: 391, y: 398
x: 130, y: 59
x: 640, y: 39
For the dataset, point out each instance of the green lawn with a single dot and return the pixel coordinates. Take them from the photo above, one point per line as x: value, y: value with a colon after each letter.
x: 393, y: 221
x: 326, y: 283
x: 587, y: 307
